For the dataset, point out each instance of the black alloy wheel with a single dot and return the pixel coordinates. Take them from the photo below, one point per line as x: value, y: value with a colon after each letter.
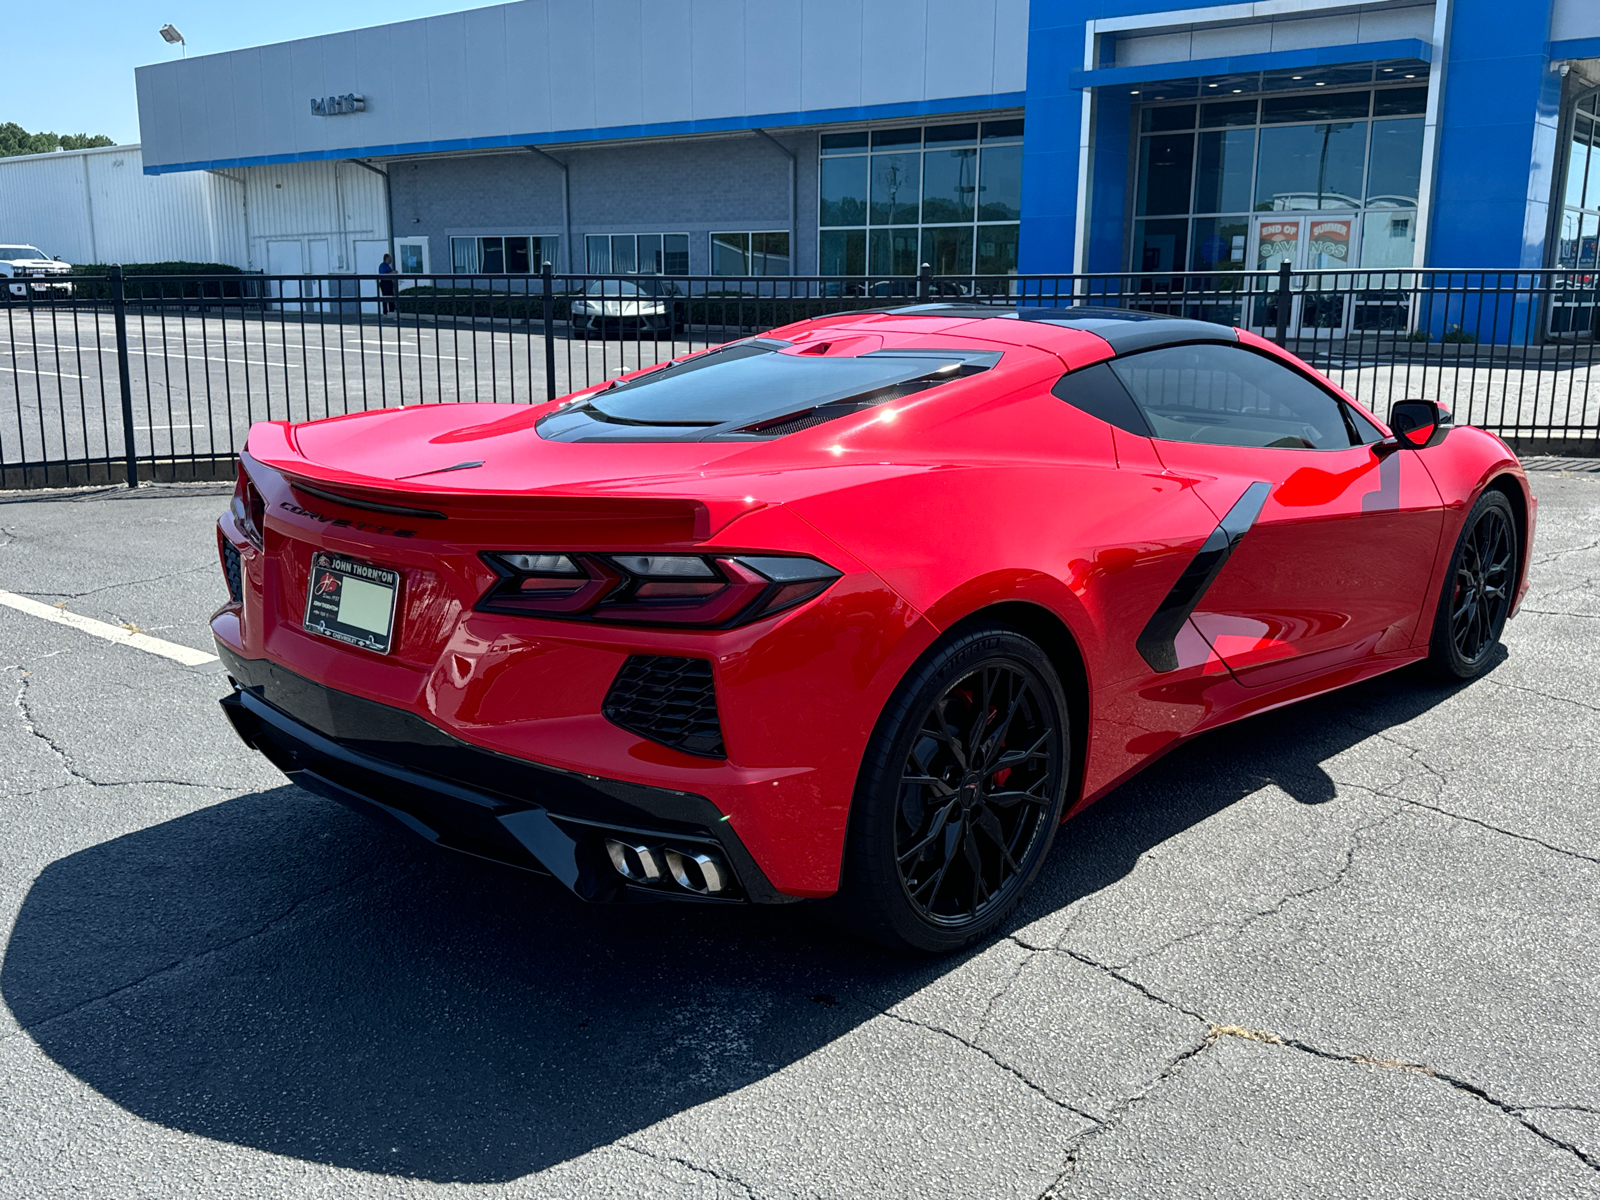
x: 1478, y: 589
x: 961, y: 793
x: 973, y: 792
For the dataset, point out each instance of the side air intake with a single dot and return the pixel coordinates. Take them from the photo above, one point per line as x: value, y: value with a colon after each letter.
x: 668, y: 700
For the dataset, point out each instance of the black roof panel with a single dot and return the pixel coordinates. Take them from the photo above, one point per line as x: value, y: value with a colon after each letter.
x: 1126, y: 329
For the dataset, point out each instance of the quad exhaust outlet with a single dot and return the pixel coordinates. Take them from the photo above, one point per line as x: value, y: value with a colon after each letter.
x: 696, y: 869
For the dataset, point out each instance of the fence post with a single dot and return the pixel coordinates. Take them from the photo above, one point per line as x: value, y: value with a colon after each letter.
x: 925, y: 281
x: 1283, y: 302
x: 549, y: 330
x: 119, y: 314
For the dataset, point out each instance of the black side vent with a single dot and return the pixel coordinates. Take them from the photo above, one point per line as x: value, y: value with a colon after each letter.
x: 668, y: 700
x: 232, y: 568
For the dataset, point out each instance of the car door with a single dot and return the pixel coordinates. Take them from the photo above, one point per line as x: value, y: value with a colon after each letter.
x: 1332, y: 538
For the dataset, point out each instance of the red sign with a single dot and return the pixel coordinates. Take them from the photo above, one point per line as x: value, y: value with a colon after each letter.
x: 1331, y: 239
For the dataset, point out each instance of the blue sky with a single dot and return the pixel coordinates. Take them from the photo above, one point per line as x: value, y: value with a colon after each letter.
x: 71, y: 64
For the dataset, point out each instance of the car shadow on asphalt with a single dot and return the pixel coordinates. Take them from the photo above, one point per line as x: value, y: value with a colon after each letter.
x: 275, y: 972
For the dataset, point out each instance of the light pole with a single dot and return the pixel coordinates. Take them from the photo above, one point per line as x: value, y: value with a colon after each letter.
x: 169, y: 34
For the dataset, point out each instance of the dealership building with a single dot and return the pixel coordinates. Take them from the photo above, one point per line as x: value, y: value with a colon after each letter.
x: 871, y: 136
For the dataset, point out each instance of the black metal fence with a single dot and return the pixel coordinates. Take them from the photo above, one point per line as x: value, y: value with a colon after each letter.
x: 112, y: 378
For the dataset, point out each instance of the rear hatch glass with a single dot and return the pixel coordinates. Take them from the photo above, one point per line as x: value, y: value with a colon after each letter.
x: 751, y: 391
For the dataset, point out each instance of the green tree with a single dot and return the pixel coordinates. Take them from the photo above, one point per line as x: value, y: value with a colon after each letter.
x: 14, y: 140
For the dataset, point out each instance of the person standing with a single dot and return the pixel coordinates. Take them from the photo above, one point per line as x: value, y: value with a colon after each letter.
x: 386, y: 287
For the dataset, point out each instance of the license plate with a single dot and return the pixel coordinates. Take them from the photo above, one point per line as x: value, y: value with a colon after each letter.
x: 351, y: 602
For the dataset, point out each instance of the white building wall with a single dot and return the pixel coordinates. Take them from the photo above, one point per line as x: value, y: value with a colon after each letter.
x: 1207, y: 36
x: 1574, y: 19
x: 535, y: 70
x: 325, y: 207
x: 98, y: 206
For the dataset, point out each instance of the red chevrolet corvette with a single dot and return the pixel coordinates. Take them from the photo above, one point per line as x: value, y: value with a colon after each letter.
x: 865, y: 605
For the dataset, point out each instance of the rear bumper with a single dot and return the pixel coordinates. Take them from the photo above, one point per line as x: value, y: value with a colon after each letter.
x: 389, y: 763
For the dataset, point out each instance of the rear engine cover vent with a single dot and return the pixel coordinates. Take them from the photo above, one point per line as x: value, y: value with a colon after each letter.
x: 668, y: 700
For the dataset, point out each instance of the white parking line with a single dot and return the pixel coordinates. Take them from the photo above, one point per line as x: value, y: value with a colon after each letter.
x: 111, y: 633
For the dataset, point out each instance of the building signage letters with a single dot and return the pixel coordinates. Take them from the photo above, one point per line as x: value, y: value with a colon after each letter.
x: 333, y: 106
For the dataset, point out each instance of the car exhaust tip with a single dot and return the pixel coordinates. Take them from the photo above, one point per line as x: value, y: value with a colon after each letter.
x: 635, y: 863
x: 698, y: 871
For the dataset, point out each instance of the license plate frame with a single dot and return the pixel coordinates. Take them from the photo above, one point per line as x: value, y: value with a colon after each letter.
x: 357, y: 616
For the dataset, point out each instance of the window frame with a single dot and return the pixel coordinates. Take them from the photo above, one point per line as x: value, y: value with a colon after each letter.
x: 649, y: 233
x: 1198, y: 127
x: 1341, y: 404
x: 988, y: 133
x: 536, y: 257
x: 749, y: 252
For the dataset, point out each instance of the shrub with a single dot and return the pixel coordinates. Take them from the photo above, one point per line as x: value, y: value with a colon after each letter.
x: 158, y: 268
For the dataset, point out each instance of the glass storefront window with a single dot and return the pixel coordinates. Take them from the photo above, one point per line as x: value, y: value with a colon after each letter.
x: 844, y: 191
x: 1394, y: 175
x: 948, y: 195
x: 1567, y: 244
x: 1578, y: 161
x: 1160, y: 245
x: 1578, y: 240
x: 948, y: 250
x: 997, y: 249
x: 1388, y: 239
x: 1001, y: 197
x: 637, y: 254
x: 1227, y: 163
x: 1281, y: 153
x: 893, y: 252
x: 1165, y: 165
x: 509, y: 255
x: 1325, y: 106
x: 1173, y: 116
x: 1228, y: 112
x: 1311, y: 166
x: 1400, y: 102
x: 842, y: 252
x: 950, y: 177
x: 1220, y: 244
x: 765, y: 253
x: 896, y: 188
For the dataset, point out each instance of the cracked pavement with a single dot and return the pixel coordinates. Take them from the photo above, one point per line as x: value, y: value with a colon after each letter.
x: 1347, y: 949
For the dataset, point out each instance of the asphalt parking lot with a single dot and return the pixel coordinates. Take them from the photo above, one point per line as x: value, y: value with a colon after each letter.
x: 1348, y: 949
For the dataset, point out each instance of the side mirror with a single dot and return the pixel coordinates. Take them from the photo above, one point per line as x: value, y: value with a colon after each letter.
x: 1418, y: 424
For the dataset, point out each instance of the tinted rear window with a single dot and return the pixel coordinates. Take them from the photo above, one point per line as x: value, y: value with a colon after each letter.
x: 752, y: 391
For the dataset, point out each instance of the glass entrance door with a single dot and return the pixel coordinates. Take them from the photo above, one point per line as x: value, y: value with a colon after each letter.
x: 1330, y: 246
x: 1274, y: 240
x: 1307, y: 241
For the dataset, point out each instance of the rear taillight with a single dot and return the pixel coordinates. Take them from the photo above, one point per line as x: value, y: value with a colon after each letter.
x: 653, y: 589
x: 248, y: 508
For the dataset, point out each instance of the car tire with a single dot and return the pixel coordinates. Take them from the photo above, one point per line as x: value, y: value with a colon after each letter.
x: 1479, y: 586
x: 940, y: 848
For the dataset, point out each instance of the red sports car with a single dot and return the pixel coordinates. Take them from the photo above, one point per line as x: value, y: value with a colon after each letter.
x: 865, y: 605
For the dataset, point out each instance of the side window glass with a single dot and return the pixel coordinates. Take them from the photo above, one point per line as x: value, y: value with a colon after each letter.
x: 1366, y: 432
x: 1100, y: 393
x: 1228, y: 396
